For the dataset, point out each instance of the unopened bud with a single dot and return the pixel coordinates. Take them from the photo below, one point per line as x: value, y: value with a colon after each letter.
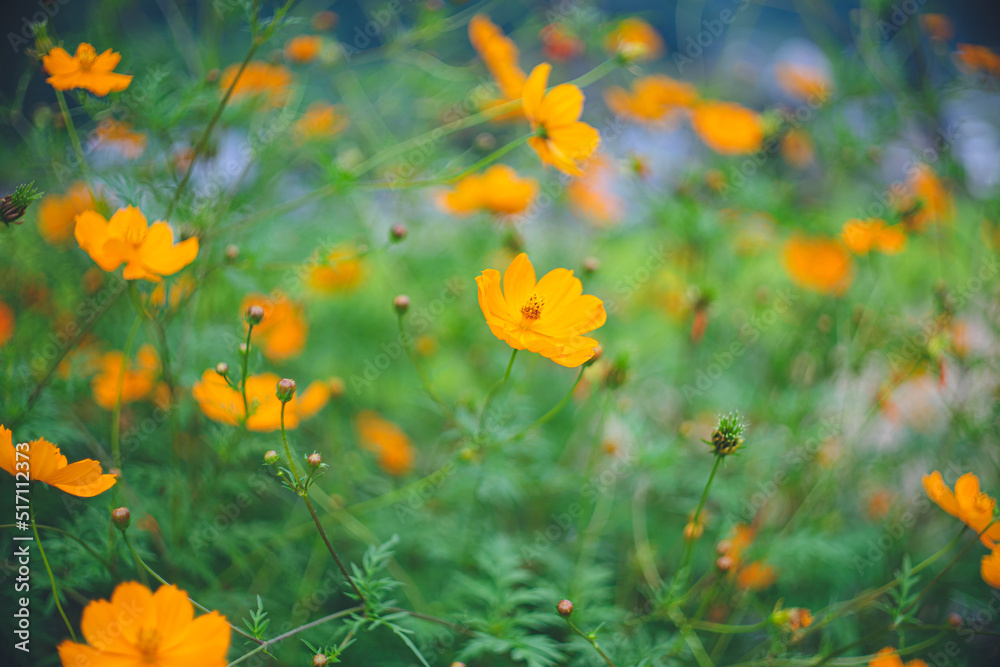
x: 591, y: 264
x: 314, y: 460
x: 457, y: 664
x: 319, y: 660
x: 243, y: 348
x: 286, y: 390
x: 724, y: 563
x: 401, y: 303
x: 122, y: 518
x: 222, y: 368
x: 955, y: 620
x: 398, y: 232
x: 598, y: 351
x: 486, y: 141
x: 271, y: 457
x: 692, y: 531
x: 232, y: 252
x: 337, y: 386
x: 565, y: 608
x: 115, y: 472
x: 254, y: 315
x: 212, y: 75
x: 723, y: 547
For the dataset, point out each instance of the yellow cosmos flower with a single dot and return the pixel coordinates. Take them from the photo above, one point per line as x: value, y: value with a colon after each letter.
x: 392, y: 446
x: 57, y: 213
x: 224, y: 404
x: 797, y: 148
x: 593, y: 195
x: 85, y: 69
x: 561, y: 139
x: 634, y: 39
x: 341, y: 270
x: 804, y: 83
x: 497, y: 190
x: 6, y: 323
x: 547, y: 316
x: 728, y: 128
x: 45, y: 463
x: 822, y: 265
x: 283, y: 332
x: 148, y: 252
x: 139, y: 627
x: 973, y: 507
x: 978, y: 59
x: 262, y: 81
x: 499, y: 54
x: 989, y: 568
x: 654, y: 99
x: 303, y: 49
x: 120, y: 136
x: 888, y: 657
x: 321, y: 121
x: 925, y: 199
x: 863, y: 236
x: 139, y: 380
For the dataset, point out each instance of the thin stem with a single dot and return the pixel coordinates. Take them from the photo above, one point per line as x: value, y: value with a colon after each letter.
x: 73, y: 136
x: 947, y: 567
x: 593, y: 642
x: 52, y: 579
x: 493, y: 390
x: 83, y: 544
x: 553, y: 412
x: 116, y: 453
x: 489, y: 159
x: 243, y: 376
x: 426, y: 381
x: 595, y: 74
x: 689, y: 549
x: 294, y: 631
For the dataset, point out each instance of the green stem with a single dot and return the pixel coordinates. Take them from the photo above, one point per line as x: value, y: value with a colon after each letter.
x: 424, y: 380
x: 593, y: 642
x: 947, y: 567
x: 116, y: 454
x: 689, y: 548
x: 73, y: 537
x: 294, y: 631
x: 52, y: 579
x: 243, y: 376
x: 493, y: 391
x: 489, y: 159
x: 551, y: 413
x: 73, y: 136
x: 595, y: 74
x: 690, y: 638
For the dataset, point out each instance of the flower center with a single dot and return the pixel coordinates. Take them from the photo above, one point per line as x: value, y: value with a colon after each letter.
x: 86, y: 55
x: 532, y: 310
x: 148, y: 643
x: 135, y: 235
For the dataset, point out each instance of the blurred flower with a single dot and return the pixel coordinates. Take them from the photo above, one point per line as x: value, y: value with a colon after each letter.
x: 147, y: 251
x: 178, y: 292
x: 325, y: 20
x: 282, y: 333
x: 85, y: 69
x: 593, y: 195
x: 978, y: 59
x: 497, y: 190
x: 989, y: 568
x: 756, y: 576
x: 548, y: 316
x: 937, y: 26
x: 727, y: 127
x: 797, y: 148
x: 792, y: 619
x: 389, y: 443
x: 320, y: 121
x: 973, y: 507
x: 303, y: 48
x: 6, y: 323
x: 925, y: 199
x: 862, y: 236
x: 342, y: 270
x: 120, y: 137
x: 879, y: 504
x: 560, y: 43
x: 654, y: 99
x: 264, y: 81
x: 634, y: 39
x: 57, y: 213
x: 139, y: 627
x: 224, y: 404
x: 499, y: 54
x: 888, y: 657
x: 561, y: 139
x: 803, y: 82
x: 139, y: 379
x: 46, y: 464
x: 819, y: 264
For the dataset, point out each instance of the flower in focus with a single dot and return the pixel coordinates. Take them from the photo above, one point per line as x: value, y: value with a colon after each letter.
x: 282, y: 333
x: 937, y: 26
x: 819, y: 264
x: 262, y: 81
x: 548, y: 316
x: 223, y: 403
x: 968, y: 504
x: 863, y: 236
x: 57, y: 213
x: 560, y: 43
x: 593, y: 195
x: 924, y: 199
x: 654, y: 99
x: 139, y: 378
x: 119, y: 136
x: 497, y: 190
x: 978, y: 59
x: 46, y: 464
x: 634, y: 39
x: 756, y: 576
x: 387, y: 441
x: 797, y: 148
x: 6, y: 323
x: 303, y: 49
x: 989, y: 568
x: 85, y: 69
x: 499, y: 54
x: 147, y: 251
x: 803, y: 82
x: 340, y: 271
x: 727, y: 127
x: 561, y: 139
x: 139, y: 627
x: 320, y: 121
x: 888, y: 657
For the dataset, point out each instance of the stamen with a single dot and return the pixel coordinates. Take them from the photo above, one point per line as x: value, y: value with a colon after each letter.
x: 532, y: 310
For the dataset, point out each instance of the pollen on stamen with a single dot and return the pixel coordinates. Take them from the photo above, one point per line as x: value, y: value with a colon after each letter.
x: 532, y: 310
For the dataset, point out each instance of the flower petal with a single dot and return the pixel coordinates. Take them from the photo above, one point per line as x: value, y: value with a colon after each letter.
x: 561, y: 106
x: 518, y: 281
x: 534, y: 90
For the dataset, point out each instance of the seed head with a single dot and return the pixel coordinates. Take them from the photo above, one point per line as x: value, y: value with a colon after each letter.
x: 727, y: 436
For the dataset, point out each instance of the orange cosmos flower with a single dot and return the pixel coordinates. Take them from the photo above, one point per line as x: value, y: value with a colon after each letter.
x: 46, y: 464
x: 148, y: 252
x: 862, y: 236
x: 139, y: 627
x: 499, y: 54
x: 937, y: 26
x: 265, y: 82
x: 804, y: 83
x: 57, y: 213
x: 654, y: 99
x: 497, y: 190
x: 181, y: 288
x: 561, y: 139
x: 888, y: 657
x: 86, y: 69
x: 224, y: 404
x: 548, y: 316
x: 119, y: 136
x: 341, y: 270
x: 593, y: 195
x: 282, y: 333
x: 797, y: 149
x: 6, y: 323
x: 989, y: 568
x: 819, y: 264
x: 978, y: 59
x: 728, y: 128
x: 756, y: 576
x: 140, y: 378
x: 925, y: 199
x: 392, y: 446
x: 560, y: 43
x: 320, y: 121
x: 303, y: 48
x: 634, y: 39
x: 973, y: 507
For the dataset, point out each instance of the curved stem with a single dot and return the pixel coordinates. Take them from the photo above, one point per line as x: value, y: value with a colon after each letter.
x: 116, y: 453
x: 551, y: 413
x: 426, y: 381
x: 52, y: 579
x: 243, y: 376
x: 73, y: 136
x: 593, y: 642
x: 73, y: 537
x: 294, y: 631
x: 493, y: 390
x: 689, y: 549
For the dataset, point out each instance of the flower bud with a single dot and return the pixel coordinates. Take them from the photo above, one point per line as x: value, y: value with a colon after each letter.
x: 286, y: 390
x: 723, y: 547
x: 457, y: 664
x: 243, y: 348
x: 212, y: 75
x: 271, y: 457
x: 590, y: 265
x: 565, y: 608
x: 254, y: 315
x: 401, y: 303
x: 222, y: 368
x: 319, y: 660
x: 727, y: 436
x: 122, y: 518
x: 954, y: 620
x: 232, y: 252
x: 314, y: 460
x: 724, y: 563
x: 692, y: 531
x: 115, y: 472
x: 337, y: 386
x: 398, y: 232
